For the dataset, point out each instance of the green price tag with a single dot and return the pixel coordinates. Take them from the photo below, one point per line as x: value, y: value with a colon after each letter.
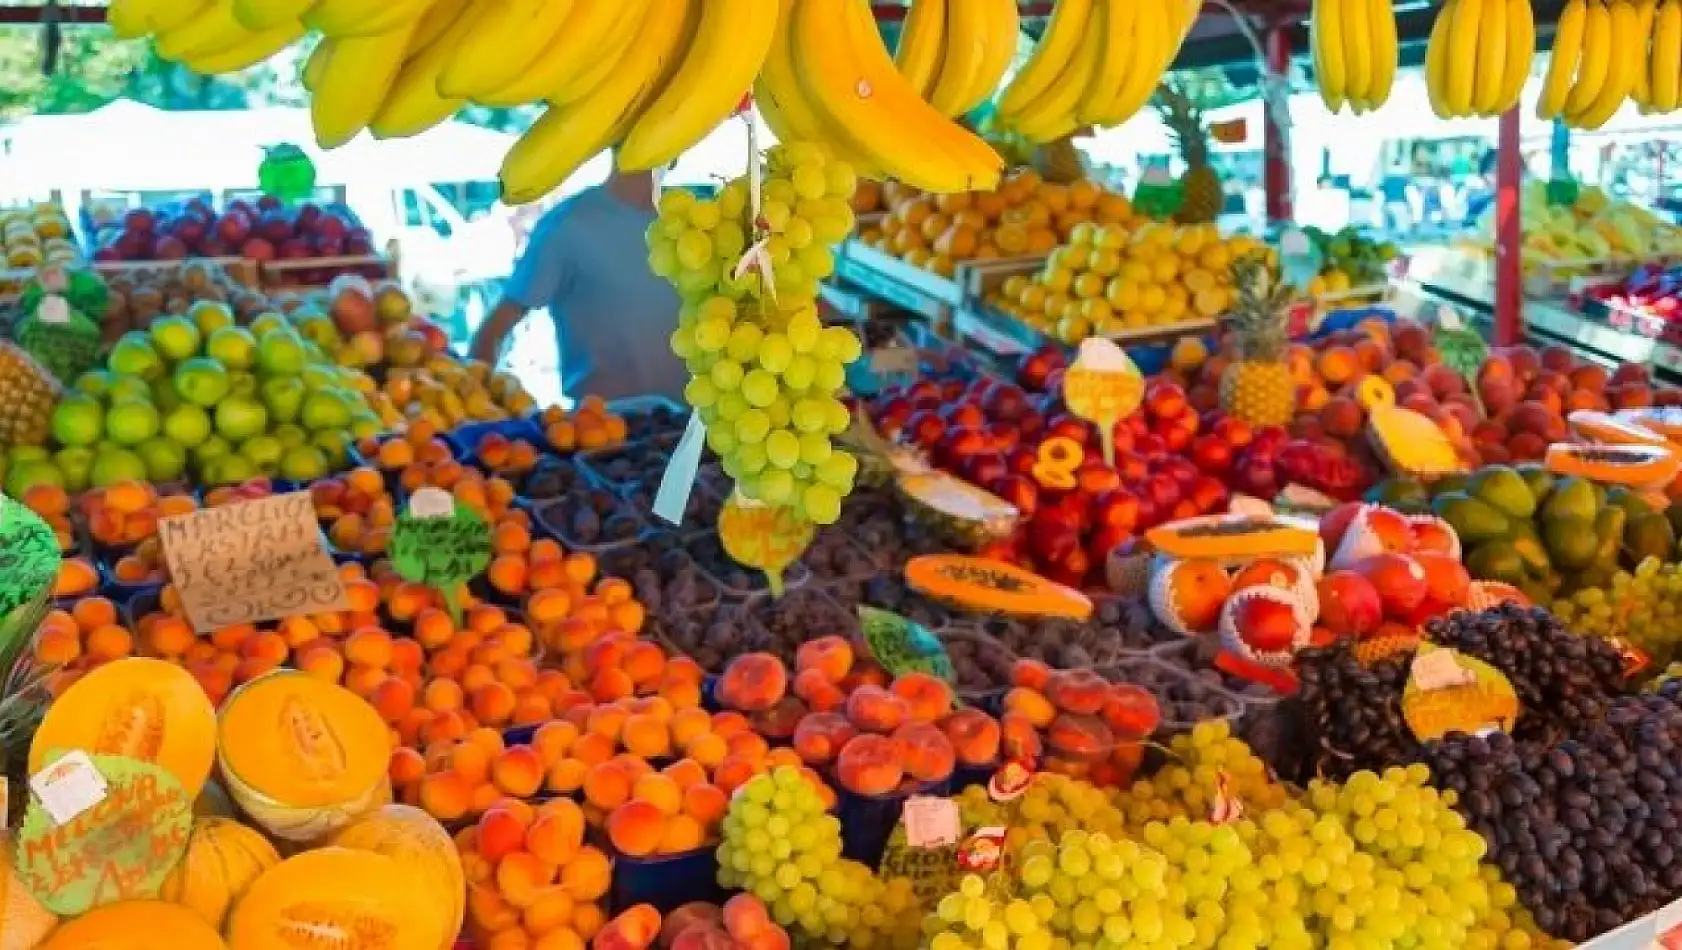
x: 440, y: 544
x: 1562, y: 192
x: 286, y: 173
x: 1463, y: 351
x: 119, y: 848
x: 28, y: 556
x: 902, y: 646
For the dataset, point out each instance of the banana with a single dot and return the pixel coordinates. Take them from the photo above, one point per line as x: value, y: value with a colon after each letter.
x: 1521, y: 52
x: 1620, y: 72
x: 1115, y: 20
x: 505, y: 40
x: 253, y: 49
x: 439, y: 17
x: 603, y: 58
x: 1597, y: 60
x: 1069, y: 18
x: 1006, y: 35
x: 1153, y: 49
x: 852, y: 83
x: 1562, y: 63
x: 1667, y: 55
x: 258, y: 15
x: 130, y: 19
x: 1181, y: 18
x: 1052, y: 115
x: 1326, y: 38
x: 961, y: 60
x: 310, y: 74
x: 567, y: 136
x: 1490, y: 68
x: 573, y: 44
x: 168, y: 15
x: 783, y: 104
x: 354, y: 83
x: 215, y: 30
x: 921, y: 42
x: 362, y: 17
x: 729, y: 48
x: 1357, y: 52
x: 1460, y: 69
x: 1436, y: 59
x: 414, y: 103
x: 1381, y: 19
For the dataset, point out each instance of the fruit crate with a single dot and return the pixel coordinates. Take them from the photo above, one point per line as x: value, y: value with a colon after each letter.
x: 868, y: 821
x: 733, y: 579
x: 978, y: 280
x: 661, y: 573
x: 304, y: 274
x: 581, y: 524
x: 242, y: 271
x: 624, y: 467
x: 836, y: 559
x: 464, y: 439
x: 708, y: 633
x: 889, y: 279
x: 652, y: 418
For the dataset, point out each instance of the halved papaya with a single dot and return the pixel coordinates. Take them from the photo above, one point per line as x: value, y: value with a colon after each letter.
x: 1224, y: 537
x: 1665, y: 420
x: 1611, y: 430
x: 983, y: 584
x: 1641, y: 466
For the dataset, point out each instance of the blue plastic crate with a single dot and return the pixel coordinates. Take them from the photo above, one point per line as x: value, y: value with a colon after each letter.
x: 464, y: 439
x: 867, y: 821
x: 667, y: 881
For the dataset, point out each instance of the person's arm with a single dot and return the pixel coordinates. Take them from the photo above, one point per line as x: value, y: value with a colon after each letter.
x: 541, y: 274
x: 488, y: 339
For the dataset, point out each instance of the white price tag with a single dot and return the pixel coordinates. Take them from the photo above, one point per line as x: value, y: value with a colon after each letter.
x: 930, y: 822
x: 431, y: 503
x: 53, y: 279
x: 53, y: 309
x: 68, y: 787
x: 893, y: 359
x: 1437, y: 670
x: 1448, y: 318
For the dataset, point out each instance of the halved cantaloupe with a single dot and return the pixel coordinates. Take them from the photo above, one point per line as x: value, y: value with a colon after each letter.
x: 414, y: 839
x: 303, y: 757
x: 1602, y: 427
x: 335, y: 897
x: 138, y: 707
x: 1229, y: 537
x: 1640, y: 466
x: 23, y: 919
x: 984, y: 584
x: 223, y: 858
x: 136, y: 925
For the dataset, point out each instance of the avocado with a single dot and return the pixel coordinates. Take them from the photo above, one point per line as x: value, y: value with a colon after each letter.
x: 1674, y: 513
x: 1496, y: 561
x: 1537, y: 476
x: 1649, y: 535
x: 1397, y: 492
x: 1620, y: 496
x: 1528, y: 545
x: 1571, y: 498
x: 1452, y: 482
x: 1609, y: 535
x: 1502, y: 487
x: 1599, y: 493
x: 1470, y: 518
x: 1571, y: 542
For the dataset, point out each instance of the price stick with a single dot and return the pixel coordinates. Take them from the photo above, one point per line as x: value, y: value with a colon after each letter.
x: 440, y: 544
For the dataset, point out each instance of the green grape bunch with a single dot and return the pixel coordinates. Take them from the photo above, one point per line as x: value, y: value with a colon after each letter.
x: 765, y: 373
x: 1643, y: 606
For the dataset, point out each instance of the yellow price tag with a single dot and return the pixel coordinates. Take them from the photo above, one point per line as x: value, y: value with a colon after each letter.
x: 1059, y: 457
x: 1102, y: 387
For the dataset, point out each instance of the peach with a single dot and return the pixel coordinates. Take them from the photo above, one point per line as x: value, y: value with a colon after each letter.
x: 753, y: 682
x: 875, y: 709
x: 831, y: 656
x: 820, y: 737
x: 927, y: 697
x: 635, y: 828
x: 1077, y: 691
x: 607, y: 785
x: 518, y: 771
x: 974, y: 736
x: 870, y: 765
x: 818, y: 690
x: 927, y: 753
x: 1032, y: 674
x: 779, y: 721
x: 693, y: 914
x: 501, y: 833
x: 706, y: 803
x: 1019, y: 736
x: 1080, y: 735
x: 745, y: 917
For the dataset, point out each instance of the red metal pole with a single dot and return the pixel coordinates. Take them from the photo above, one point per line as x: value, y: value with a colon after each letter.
x: 1509, y: 321
x: 1276, y: 161
x: 11, y: 15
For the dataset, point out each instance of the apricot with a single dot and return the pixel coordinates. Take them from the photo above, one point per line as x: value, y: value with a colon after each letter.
x: 557, y: 832
x: 646, y: 736
x: 753, y: 682
x: 685, y: 772
x: 518, y: 771
x: 682, y: 834
x: 607, y: 785
x: 109, y: 642
x: 733, y: 772
x: 926, y: 752
x: 587, y: 876
x: 658, y: 790
x: 57, y: 646
x: 445, y: 795
x: 501, y: 833
x: 1077, y: 691
x: 874, y: 709
x: 706, y: 803
x: 686, y: 724
x: 974, y: 736
x: 1019, y: 737
x: 393, y: 698
x: 487, y: 908
x: 927, y: 697
x: 708, y: 748
x: 820, y: 736
x: 831, y: 656
x: 521, y: 877
x: 1031, y: 674
x: 493, y: 703
x: 644, y: 662
x: 566, y: 776
x: 1030, y: 704
x: 870, y: 765
x: 551, y: 911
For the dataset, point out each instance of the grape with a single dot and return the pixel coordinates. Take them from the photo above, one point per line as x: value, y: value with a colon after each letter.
x: 700, y: 392
x: 815, y: 448
x: 744, y: 342
x: 694, y: 250
x: 727, y: 374
x: 704, y: 215
x: 782, y: 447
x: 775, y: 352
x: 760, y: 387
x: 751, y: 427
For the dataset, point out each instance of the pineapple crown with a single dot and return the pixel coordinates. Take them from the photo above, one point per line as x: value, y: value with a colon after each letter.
x: 1258, y: 309
x: 1184, y: 117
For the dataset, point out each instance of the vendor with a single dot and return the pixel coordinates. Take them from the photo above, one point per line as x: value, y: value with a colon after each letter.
x: 587, y: 261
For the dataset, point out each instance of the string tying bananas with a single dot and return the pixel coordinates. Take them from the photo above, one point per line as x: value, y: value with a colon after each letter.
x: 1479, y: 56
x: 1355, y: 54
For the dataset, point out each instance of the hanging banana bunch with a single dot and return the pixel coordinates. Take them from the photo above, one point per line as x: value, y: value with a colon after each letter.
x: 1097, y: 64
x: 954, y: 52
x: 1479, y: 56
x: 1355, y: 53
x: 1664, y: 59
x: 1607, y: 52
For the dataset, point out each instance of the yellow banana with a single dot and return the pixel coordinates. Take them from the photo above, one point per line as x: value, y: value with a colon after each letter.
x: 1562, y: 62
x: 1436, y: 63
x: 504, y: 41
x: 1462, y: 65
x: 439, y: 17
x: 851, y: 81
x: 414, y: 103
x: 1115, y: 20
x: 1182, y: 15
x: 1642, y: 92
x: 1521, y: 52
x: 1381, y: 19
x: 1326, y: 39
x: 1005, y: 27
x: 253, y: 49
x: 783, y: 104
x: 257, y: 15
x: 130, y: 19
x: 1597, y: 60
x: 362, y: 17
x: 718, y: 68
x: 168, y: 15
x: 1620, y: 72
x: 567, y: 136
x: 1666, y: 56
x: 964, y: 53
x: 1490, y: 72
x: 213, y: 31
x: 1069, y: 19
x: 572, y: 46
x: 1153, y: 49
x: 1052, y: 115
x: 921, y: 42
x: 354, y: 83
x: 613, y: 48
x: 1357, y: 51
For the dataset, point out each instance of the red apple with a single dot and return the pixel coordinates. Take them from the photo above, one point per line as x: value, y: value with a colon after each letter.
x: 1265, y: 624
x: 1094, y: 477
x: 1163, y: 491
x: 1212, y: 453
x: 1019, y: 490
x: 926, y: 428
x: 1210, y: 494
x: 1166, y: 400
x: 1349, y: 604
x: 1117, y: 509
x: 257, y: 249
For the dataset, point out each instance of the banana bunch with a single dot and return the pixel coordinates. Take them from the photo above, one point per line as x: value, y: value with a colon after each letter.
x: 954, y: 52
x: 1355, y: 53
x: 1601, y: 57
x: 828, y: 78
x: 1478, y: 56
x: 1097, y: 64
x: 1658, y: 86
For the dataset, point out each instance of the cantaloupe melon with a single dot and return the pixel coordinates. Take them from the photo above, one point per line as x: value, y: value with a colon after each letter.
x: 301, y: 756
x: 23, y: 921
x: 338, y: 898
x: 138, y: 707
x: 136, y: 925
x: 415, y: 840
x: 223, y: 858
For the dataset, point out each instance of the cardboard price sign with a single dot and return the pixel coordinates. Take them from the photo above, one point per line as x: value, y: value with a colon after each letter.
x: 255, y: 560
x: 441, y: 544
x: 902, y: 646
x: 119, y: 849
x: 28, y: 556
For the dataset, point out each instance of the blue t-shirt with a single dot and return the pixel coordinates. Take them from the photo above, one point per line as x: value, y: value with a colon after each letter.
x: 588, y: 263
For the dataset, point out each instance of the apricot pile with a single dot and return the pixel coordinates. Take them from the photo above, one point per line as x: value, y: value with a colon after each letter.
x: 532, y: 882
x: 418, y: 446
x: 1076, y: 722
x: 123, y: 514
x: 52, y: 504
x: 506, y: 456
x: 356, y: 509
x: 589, y: 426
x: 74, y: 641
x: 743, y: 923
x: 77, y: 577
x: 570, y: 609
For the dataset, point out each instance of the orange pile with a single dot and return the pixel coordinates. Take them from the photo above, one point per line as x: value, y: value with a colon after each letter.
x: 590, y: 426
x: 357, y: 510
x: 533, y: 884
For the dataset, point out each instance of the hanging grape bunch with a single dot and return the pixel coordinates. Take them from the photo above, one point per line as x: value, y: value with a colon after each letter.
x: 765, y: 372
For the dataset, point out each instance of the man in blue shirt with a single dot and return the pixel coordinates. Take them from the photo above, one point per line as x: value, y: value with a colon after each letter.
x: 587, y: 261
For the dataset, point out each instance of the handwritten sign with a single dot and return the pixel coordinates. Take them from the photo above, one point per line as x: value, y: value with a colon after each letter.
x: 1102, y: 387
x: 902, y: 646
x: 255, y: 560
x: 119, y: 849
x: 933, y: 871
x: 930, y: 822
x: 28, y: 556
x: 442, y: 551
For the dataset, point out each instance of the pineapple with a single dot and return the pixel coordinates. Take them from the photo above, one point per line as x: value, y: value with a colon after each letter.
x: 28, y: 393
x: 1201, y: 186
x: 1257, y: 387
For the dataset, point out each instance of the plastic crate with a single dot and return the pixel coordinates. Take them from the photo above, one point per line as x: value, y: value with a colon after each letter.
x: 667, y: 881
x: 867, y: 821
x: 463, y: 440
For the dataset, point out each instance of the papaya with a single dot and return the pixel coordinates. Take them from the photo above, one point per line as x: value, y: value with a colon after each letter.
x: 1453, y: 481
x: 1225, y: 537
x: 983, y: 584
x: 1649, y: 535
x: 1664, y: 420
x: 1609, y: 525
x: 1497, y: 561
x: 1643, y: 466
x: 1570, y: 542
x: 1603, y: 427
x: 1537, y: 476
x: 1398, y: 493
x: 1526, y: 540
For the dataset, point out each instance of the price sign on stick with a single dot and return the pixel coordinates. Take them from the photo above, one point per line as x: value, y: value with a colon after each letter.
x: 902, y: 646
x: 1102, y: 387
x: 441, y: 544
x: 254, y: 560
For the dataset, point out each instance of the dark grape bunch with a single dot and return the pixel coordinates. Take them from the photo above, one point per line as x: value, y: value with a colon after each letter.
x: 1588, y: 828
x: 1348, y: 717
